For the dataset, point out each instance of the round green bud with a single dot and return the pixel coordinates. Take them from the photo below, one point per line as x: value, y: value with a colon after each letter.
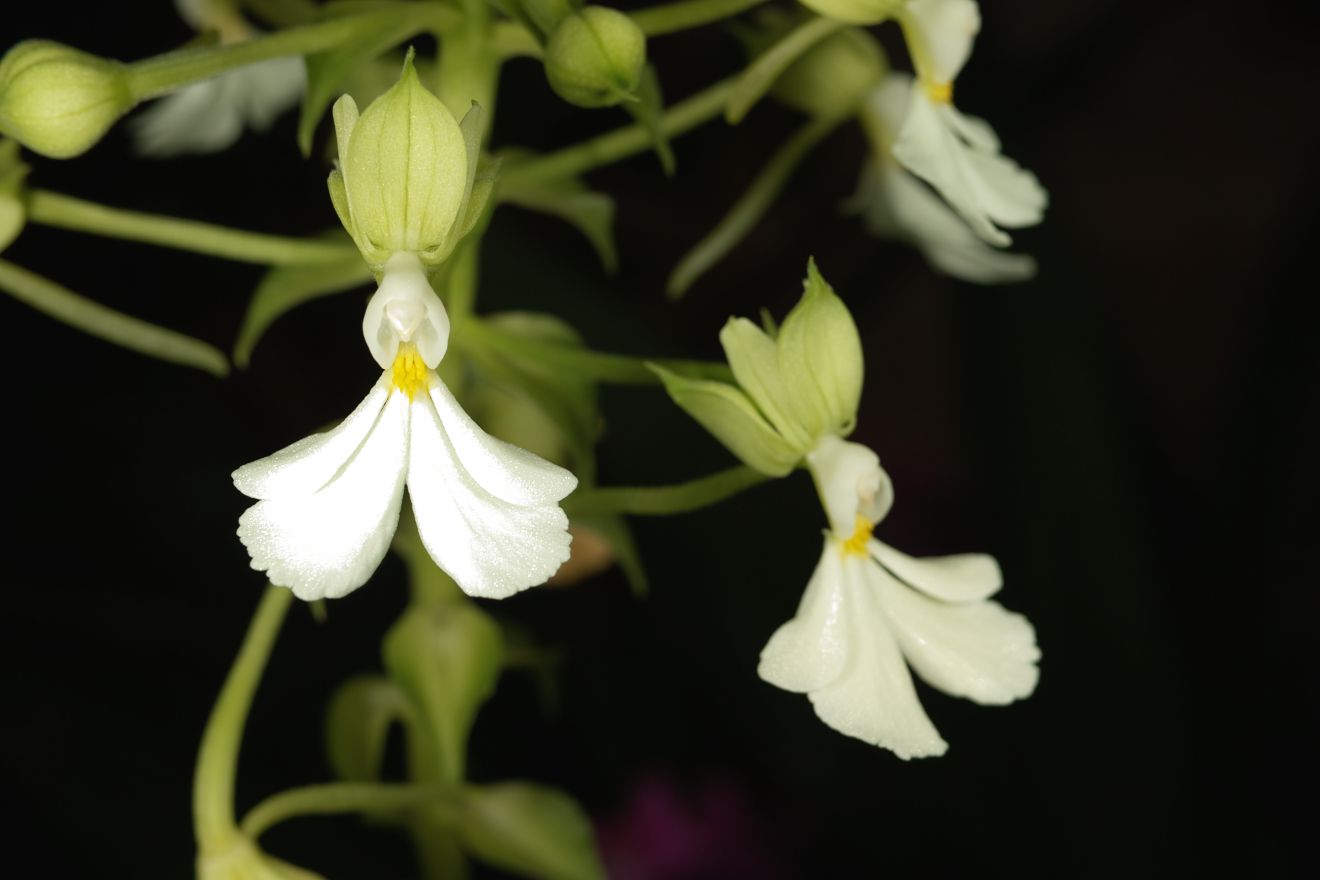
x: 595, y: 58
x: 59, y: 101
x: 855, y: 11
x: 833, y: 77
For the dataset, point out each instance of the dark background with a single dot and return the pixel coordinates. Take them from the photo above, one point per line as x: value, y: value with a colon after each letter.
x: 1134, y: 435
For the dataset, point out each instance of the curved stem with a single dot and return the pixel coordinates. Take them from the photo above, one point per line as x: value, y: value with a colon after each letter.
x: 665, y: 500
x: 686, y: 14
x: 593, y: 365
x: 217, y: 759
x: 105, y: 323
x: 336, y: 797
x: 760, y: 76
x: 623, y: 142
x: 67, y: 212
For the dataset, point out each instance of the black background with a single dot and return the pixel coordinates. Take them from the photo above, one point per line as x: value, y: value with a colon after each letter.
x: 1133, y: 434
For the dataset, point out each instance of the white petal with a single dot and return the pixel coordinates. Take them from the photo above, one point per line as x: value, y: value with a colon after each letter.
x: 979, y: 650
x: 947, y: 27
x: 850, y: 482
x: 405, y: 291
x: 506, y: 471
x: 873, y: 698
x: 809, y: 651
x: 269, y: 88
x: 195, y: 119
x: 327, y: 544
x: 963, y: 577
x: 304, y: 467
x: 490, y: 546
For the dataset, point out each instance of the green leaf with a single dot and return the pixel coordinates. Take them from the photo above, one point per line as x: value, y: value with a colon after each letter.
x: 569, y: 199
x: 615, y: 531
x: 357, y: 723
x: 761, y: 74
x: 729, y: 415
x: 446, y: 659
x: 286, y: 287
x: 327, y: 71
x: 649, y: 110
x: 530, y: 830
x: 749, y: 209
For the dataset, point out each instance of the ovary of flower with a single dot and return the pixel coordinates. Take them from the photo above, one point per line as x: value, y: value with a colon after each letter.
x: 208, y: 116
x: 870, y: 611
x: 958, y: 154
x: 328, y: 505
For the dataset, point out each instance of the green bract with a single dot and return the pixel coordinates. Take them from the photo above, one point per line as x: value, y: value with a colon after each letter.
x: 407, y: 177
x: 59, y: 101
x: 833, y: 77
x: 855, y: 11
x: 595, y: 58
x: 793, y: 388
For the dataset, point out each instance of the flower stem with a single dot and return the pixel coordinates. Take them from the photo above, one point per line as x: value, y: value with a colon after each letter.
x: 165, y: 73
x: 686, y: 14
x: 595, y: 366
x: 97, y: 320
x: 217, y: 760
x: 665, y: 500
x: 336, y: 797
x: 67, y: 212
x: 623, y: 142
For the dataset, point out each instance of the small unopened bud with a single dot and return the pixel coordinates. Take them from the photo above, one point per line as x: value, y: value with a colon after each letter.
x: 595, y: 58
x: 59, y: 101
x: 833, y: 78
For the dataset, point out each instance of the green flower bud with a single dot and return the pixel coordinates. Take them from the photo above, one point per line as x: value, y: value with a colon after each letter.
x: 13, y: 209
x: 793, y: 388
x: 595, y: 58
x: 407, y: 177
x: 834, y: 77
x: 59, y: 101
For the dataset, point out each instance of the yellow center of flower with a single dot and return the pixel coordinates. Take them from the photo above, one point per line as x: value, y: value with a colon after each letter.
x: 939, y: 92
x: 856, y: 545
x: 409, y: 373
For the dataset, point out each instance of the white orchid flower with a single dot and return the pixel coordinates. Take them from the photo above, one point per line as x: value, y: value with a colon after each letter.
x: 959, y: 155
x: 894, y: 204
x: 209, y: 116
x: 487, y: 511
x: 870, y: 611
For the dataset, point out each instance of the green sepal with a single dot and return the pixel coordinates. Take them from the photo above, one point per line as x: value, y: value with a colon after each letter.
x: 357, y: 724
x: 754, y: 358
x: 286, y: 287
x: 528, y: 829
x: 569, y: 199
x: 728, y: 414
x: 328, y: 71
x: 820, y: 358
x: 446, y: 659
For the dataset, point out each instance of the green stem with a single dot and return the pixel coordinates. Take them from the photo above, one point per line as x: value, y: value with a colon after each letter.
x: 67, y: 212
x: 760, y: 76
x: 623, y: 142
x: 165, y: 73
x: 336, y: 797
x: 592, y: 365
x: 686, y: 14
x: 217, y: 760
x: 665, y: 500
x: 97, y: 320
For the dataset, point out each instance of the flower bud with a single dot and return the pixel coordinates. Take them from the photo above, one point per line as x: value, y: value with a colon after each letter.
x: 595, y: 58
x: 834, y: 77
x: 406, y: 173
x: 855, y: 11
x: 59, y: 101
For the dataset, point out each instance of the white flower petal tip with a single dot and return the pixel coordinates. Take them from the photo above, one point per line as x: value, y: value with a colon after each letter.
x: 328, y: 505
x: 869, y: 612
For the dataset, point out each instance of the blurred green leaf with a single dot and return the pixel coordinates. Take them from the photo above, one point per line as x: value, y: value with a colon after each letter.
x: 648, y: 110
x: 357, y: 724
x: 530, y: 830
x: 285, y: 287
x: 569, y: 199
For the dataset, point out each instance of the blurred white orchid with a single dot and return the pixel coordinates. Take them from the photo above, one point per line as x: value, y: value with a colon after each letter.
x: 209, y: 116
x: 869, y: 608
x: 487, y: 511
